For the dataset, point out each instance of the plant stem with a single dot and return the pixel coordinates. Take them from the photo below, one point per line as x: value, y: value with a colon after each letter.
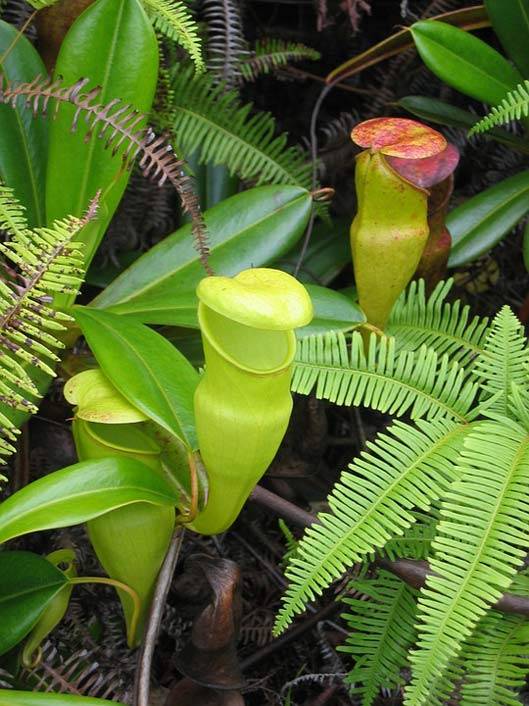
x: 152, y: 626
x: 105, y: 580
x: 412, y: 572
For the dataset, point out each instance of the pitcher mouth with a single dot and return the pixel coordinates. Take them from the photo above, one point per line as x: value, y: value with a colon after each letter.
x: 257, y: 351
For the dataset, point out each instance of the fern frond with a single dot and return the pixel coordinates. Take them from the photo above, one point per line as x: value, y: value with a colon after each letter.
x: 417, y: 383
x: 416, y: 321
x: 12, y: 216
x: 47, y: 260
x: 227, y: 48
x: 214, y: 122
x: 269, y: 54
x: 495, y: 661
x: 504, y: 362
x: 172, y: 18
x: 290, y: 541
x: 415, y: 543
x: 479, y: 545
x: 514, y: 106
x: 124, y: 131
x: 381, y: 631
x: 405, y: 468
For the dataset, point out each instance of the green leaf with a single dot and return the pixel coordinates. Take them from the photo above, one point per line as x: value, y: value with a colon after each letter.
x: 468, y: 18
x: 23, y: 140
x: 464, y: 62
x: 247, y: 230
x: 27, y: 585
x: 510, y: 21
x: 81, y: 492
x: 482, y: 221
x: 148, y: 371
x: 443, y: 113
x: 25, y: 698
x: 329, y: 251
x: 526, y: 246
x: 333, y: 311
x: 113, y: 44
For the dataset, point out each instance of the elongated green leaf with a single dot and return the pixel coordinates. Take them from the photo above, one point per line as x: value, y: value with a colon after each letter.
x: 23, y: 140
x: 148, y: 371
x: 27, y: 584
x: 333, y: 311
x: 247, y: 230
x: 113, y: 44
x: 468, y: 18
x: 445, y: 114
x: 479, y: 223
x: 510, y: 21
x: 25, y: 698
x: 464, y: 61
x: 81, y: 492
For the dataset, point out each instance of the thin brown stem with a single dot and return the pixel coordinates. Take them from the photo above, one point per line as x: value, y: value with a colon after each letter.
x: 412, y: 572
x: 152, y: 626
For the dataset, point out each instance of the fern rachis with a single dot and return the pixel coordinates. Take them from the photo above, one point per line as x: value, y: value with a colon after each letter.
x: 479, y: 542
x: 49, y: 260
x: 477, y: 550
x: 514, y: 106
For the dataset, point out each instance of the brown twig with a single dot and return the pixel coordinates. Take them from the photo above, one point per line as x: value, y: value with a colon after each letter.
x: 412, y: 572
x: 152, y: 627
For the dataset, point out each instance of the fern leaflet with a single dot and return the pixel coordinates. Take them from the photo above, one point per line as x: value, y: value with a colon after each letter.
x: 382, y: 631
x: 395, y: 383
x: 214, y: 122
x: 433, y: 322
x: 226, y: 46
x: 514, y: 106
x: 495, y: 661
x: 478, y: 548
x: 122, y: 127
x: 172, y: 18
x: 415, y: 543
x: 270, y: 54
x: 48, y: 261
x: 405, y: 468
x: 504, y: 362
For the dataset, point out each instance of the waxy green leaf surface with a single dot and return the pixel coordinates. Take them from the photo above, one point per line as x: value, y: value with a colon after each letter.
x: 145, y: 368
x: 479, y: 223
x: 464, y: 62
x: 79, y: 493
x: 23, y: 139
x: 28, y: 583
x: 113, y: 44
x: 250, y: 229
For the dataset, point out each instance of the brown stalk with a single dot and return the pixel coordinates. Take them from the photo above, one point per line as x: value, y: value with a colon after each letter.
x: 412, y: 572
x: 122, y: 127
